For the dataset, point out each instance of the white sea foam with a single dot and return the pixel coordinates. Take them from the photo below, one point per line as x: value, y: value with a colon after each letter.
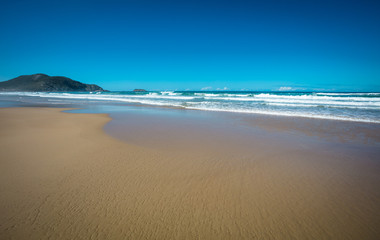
x: 287, y: 114
x: 319, y: 105
x: 305, y: 100
x: 312, y: 97
x: 363, y: 107
x: 349, y: 94
x: 170, y: 93
x: 114, y: 97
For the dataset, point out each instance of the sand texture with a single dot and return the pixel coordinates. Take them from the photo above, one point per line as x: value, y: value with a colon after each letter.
x: 62, y: 177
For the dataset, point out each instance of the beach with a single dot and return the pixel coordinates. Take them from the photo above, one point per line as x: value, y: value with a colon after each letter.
x: 70, y: 175
x: 179, y: 120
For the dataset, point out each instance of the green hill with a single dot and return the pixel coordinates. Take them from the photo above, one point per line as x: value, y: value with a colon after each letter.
x: 44, y: 83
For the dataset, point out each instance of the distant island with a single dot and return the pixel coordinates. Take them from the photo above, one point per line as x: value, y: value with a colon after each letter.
x: 140, y: 90
x: 44, y: 83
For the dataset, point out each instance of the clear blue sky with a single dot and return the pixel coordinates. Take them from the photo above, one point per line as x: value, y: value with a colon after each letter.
x: 256, y: 45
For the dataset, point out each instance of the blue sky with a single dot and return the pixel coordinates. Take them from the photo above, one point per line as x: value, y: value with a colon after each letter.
x: 252, y: 45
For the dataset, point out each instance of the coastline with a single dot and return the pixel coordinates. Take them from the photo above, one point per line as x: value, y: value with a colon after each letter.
x: 354, y: 107
x: 63, y: 177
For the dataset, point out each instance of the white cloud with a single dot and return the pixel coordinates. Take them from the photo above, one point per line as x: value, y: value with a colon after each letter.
x: 222, y: 89
x: 206, y: 88
x: 285, y: 89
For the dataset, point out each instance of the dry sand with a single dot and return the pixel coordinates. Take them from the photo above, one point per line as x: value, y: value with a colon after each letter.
x: 62, y: 177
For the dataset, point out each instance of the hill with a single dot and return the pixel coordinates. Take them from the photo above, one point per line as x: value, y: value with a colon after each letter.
x: 44, y: 83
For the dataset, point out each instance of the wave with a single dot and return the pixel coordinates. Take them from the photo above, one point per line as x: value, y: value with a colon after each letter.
x: 312, y: 97
x: 288, y: 114
x: 297, y: 105
x: 263, y: 97
x: 353, y: 107
x: 110, y: 97
x: 349, y: 94
x: 301, y: 101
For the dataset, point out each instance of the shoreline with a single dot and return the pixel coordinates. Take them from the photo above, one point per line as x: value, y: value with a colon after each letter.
x: 63, y: 177
x: 345, y: 107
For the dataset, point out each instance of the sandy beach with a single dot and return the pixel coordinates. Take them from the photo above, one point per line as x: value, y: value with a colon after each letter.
x: 63, y: 177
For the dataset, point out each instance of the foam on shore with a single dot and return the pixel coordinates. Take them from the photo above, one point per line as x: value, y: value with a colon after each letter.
x: 357, y: 107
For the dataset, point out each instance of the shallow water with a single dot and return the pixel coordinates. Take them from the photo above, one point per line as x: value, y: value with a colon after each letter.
x: 359, y: 107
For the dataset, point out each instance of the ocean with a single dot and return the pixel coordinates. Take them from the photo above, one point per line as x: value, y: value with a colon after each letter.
x: 359, y: 107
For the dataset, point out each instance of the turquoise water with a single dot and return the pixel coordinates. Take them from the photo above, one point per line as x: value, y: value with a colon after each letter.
x: 361, y: 107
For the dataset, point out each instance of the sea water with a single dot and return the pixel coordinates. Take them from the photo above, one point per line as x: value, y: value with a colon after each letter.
x: 360, y: 107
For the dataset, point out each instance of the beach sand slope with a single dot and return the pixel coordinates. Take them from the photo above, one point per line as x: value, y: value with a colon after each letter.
x: 62, y: 177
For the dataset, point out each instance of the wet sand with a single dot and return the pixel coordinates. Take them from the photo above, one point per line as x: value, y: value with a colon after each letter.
x: 63, y: 177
